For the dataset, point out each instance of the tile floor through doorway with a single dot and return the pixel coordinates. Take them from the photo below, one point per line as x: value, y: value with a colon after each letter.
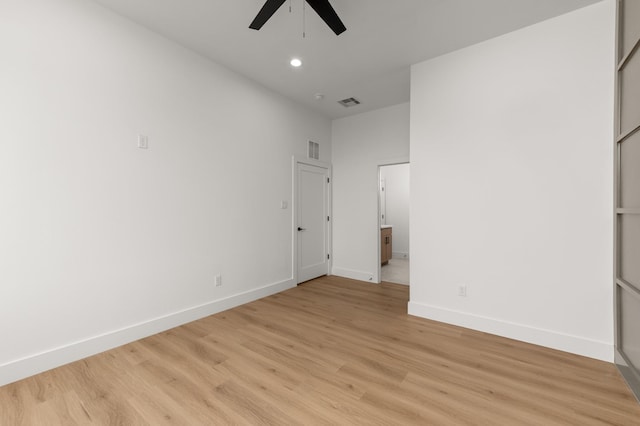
x: 396, y: 271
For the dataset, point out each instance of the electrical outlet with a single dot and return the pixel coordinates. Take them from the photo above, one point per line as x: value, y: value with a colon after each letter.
x: 218, y: 280
x: 462, y: 290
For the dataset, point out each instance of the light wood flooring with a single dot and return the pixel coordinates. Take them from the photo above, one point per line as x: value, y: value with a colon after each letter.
x: 332, y: 351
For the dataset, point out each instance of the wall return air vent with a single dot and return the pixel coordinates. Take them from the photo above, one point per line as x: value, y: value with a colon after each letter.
x: 314, y: 150
x: 349, y: 102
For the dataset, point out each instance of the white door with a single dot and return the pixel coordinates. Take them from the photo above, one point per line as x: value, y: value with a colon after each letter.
x: 312, y: 221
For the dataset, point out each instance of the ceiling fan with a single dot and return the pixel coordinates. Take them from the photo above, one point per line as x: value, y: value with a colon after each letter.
x: 322, y: 8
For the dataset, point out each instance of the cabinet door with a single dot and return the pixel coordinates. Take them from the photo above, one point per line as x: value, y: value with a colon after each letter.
x: 385, y: 245
x: 390, y: 246
x: 383, y: 248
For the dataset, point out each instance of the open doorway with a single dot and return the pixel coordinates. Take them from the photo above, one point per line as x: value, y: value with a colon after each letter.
x: 393, y: 216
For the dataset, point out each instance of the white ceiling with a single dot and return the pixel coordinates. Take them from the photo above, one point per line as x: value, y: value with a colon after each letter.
x: 370, y: 61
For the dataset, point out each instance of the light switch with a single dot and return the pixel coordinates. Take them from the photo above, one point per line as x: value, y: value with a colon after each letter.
x: 143, y: 142
x: 283, y: 205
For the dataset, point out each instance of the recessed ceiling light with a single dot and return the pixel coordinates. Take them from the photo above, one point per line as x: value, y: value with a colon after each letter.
x: 295, y: 62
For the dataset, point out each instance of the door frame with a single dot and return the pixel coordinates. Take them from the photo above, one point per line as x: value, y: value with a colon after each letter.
x: 392, y: 162
x: 294, y: 211
x: 622, y: 288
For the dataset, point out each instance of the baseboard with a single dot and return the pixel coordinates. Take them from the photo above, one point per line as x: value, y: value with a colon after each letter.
x: 31, y: 365
x: 548, y: 338
x: 354, y: 275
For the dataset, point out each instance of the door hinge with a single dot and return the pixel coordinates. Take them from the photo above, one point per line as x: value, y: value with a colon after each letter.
x: 328, y: 256
x: 328, y: 219
x: 328, y: 180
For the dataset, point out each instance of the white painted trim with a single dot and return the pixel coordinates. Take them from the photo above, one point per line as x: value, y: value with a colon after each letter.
x: 295, y: 160
x: 37, y: 363
x: 548, y: 338
x: 394, y: 161
x: 311, y: 162
x: 294, y: 219
x: 354, y: 275
x: 400, y: 255
x: 382, y: 163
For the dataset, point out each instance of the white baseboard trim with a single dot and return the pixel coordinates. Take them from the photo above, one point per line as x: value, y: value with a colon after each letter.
x: 47, y: 360
x: 551, y: 339
x: 354, y: 275
x: 399, y: 255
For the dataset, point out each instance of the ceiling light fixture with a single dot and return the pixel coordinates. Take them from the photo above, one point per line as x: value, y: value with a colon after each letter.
x: 296, y: 63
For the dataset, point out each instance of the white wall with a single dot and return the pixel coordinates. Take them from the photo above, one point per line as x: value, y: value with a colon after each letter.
x: 102, y: 242
x: 360, y: 144
x: 511, y: 184
x: 396, y: 193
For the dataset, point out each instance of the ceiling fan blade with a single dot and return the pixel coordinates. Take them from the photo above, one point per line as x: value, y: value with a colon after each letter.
x: 328, y: 15
x: 270, y: 7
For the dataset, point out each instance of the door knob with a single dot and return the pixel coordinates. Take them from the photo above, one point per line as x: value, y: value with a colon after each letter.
x: 301, y: 229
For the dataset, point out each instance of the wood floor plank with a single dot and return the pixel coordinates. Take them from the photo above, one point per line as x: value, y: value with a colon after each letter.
x: 331, y: 351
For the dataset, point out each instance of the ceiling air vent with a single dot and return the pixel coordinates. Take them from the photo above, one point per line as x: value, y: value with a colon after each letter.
x: 349, y: 102
x: 314, y: 150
